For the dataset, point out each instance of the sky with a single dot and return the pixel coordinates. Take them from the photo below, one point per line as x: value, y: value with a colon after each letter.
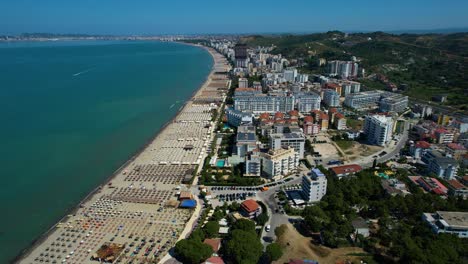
x: 238, y: 16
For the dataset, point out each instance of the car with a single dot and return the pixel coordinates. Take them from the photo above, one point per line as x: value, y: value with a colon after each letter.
x: 267, y: 228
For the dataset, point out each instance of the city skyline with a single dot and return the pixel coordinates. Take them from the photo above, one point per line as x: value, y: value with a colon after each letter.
x: 186, y: 17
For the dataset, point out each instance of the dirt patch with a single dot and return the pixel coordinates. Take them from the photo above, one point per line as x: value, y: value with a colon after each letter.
x: 359, y: 150
x: 296, y: 246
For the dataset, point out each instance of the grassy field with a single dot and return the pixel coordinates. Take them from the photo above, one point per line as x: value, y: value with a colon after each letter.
x: 354, y: 123
x: 344, y: 144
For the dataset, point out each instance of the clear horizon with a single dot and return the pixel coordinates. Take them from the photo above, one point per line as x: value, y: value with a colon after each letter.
x: 143, y: 17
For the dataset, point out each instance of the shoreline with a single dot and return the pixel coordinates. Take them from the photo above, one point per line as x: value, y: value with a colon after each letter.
x: 35, y: 243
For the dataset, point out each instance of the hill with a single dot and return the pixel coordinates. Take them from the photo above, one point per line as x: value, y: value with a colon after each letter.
x: 429, y: 64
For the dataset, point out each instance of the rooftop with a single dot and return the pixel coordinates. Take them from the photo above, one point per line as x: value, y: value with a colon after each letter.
x: 423, y: 144
x: 350, y: 168
x: 454, y: 219
x: 250, y: 205
x: 214, y: 243
x: 455, y: 146
x: 456, y: 185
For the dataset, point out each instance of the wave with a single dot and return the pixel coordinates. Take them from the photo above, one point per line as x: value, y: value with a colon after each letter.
x: 82, y: 72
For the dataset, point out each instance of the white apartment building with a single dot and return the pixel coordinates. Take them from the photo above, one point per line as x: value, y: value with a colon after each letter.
x: 236, y: 118
x: 378, y: 129
x: 261, y: 103
x: 252, y: 165
x: 314, y: 186
x: 294, y: 140
x: 307, y: 102
x: 363, y: 99
x: 345, y: 69
x: 282, y: 161
x: 243, y: 83
x: 331, y: 98
x: 290, y: 75
x: 302, y: 78
x: 349, y: 87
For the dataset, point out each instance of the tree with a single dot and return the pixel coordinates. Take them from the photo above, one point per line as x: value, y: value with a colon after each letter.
x: 274, y: 251
x: 197, y: 234
x: 262, y: 218
x: 244, y: 247
x: 192, y: 251
x: 244, y: 225
x: 211, y: 229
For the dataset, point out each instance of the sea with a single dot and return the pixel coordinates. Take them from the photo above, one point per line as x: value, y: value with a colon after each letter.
x: 73, y: 112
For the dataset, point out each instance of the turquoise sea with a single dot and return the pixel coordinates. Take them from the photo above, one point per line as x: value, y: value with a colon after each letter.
x: 71, y: 113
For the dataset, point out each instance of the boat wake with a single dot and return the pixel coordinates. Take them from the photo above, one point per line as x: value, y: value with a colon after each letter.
x: 81, y: 72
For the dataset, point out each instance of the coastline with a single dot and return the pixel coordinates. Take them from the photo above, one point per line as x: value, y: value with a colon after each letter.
x: 36, y: 243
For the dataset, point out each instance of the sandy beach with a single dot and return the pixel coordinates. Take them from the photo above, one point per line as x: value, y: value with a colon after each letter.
x: 134, y: 216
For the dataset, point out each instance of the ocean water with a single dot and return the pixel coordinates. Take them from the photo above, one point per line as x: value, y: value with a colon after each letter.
x: 71, y: 113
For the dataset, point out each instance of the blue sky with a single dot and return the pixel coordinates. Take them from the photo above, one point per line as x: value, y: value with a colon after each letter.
x: 237, y: 16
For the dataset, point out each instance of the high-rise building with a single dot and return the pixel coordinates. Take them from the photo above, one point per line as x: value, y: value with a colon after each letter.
x: 241, y: 56
x: 440, y: 165
x: 302, y: 78
x: 294, y: 140
x: 331, y: 98
x: 243, y: 83
x: 261, y: 103
x: 363, y: 99
x: 290, y: 75
x: 307, y: 102
x: 393, y: 103
x: 349, y: 87
x: 282, y: 161
x: 378, y: 129
x: 237, y: 118
x: 387, y: 101
x: 252, y: 165
x: 345, y: 69
x: 314, y: 186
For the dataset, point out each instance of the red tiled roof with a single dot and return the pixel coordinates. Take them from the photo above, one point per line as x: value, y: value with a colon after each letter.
x: 214, y: 243
x: 332, y: 85
x: 455, y: 146
x: 215, y: 260
x: 264, y: 116
x: 308, y: 119
x: 279, y: 114
x: 351, y: 168
x: 250, y: 205
x: 456, y: 184
x: 423, y: 144
x: 293, y: 113
x: 339, y: 116
x: 323, y: 116
x: 441, y: 130
x: 333, y: 110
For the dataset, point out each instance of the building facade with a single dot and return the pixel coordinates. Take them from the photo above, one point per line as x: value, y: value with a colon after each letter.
x: 378, y: 129
x: 293, y: 140
x: 279, y: 162
x: 314, y: 186
x: 331, y: 98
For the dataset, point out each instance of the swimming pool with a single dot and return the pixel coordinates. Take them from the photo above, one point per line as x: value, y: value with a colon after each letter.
x: 220, y: 163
